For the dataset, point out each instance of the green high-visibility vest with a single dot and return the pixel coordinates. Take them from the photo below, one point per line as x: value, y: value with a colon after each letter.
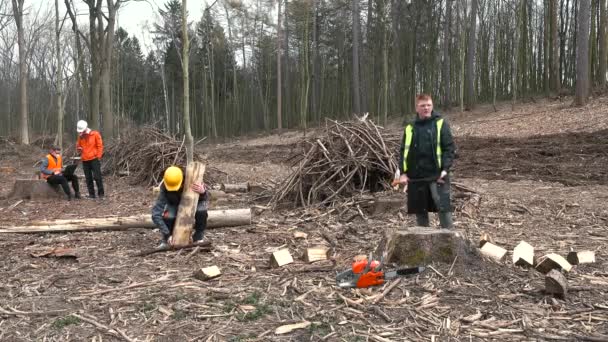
x: 408, y: 141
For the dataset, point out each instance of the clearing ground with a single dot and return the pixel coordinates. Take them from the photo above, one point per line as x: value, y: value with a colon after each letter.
x: 536, y: 174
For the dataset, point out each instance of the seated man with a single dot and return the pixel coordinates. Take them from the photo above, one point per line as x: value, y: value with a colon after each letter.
x: 164, y: 212
x: 52, y: 170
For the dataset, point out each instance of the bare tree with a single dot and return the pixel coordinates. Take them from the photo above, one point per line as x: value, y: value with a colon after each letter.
x: 279, y: 86
x: 470, y: 76
x: 603, y: 53
x: 582, y: 54
x: 356, y: 79
x: 185, y: 63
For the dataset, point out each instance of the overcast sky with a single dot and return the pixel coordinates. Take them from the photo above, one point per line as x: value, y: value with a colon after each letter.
x: 133, y: 15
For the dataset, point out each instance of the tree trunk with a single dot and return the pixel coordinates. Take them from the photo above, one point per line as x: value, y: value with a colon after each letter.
x: 59, y: 96
x: 279, y: 85
x: 582, y: 54
x: 94, y: 52
x: 186, y: 101
x: 286, y: 63
x: 447, y: 35
x: 356, y: 80
x: 603, y: 53
x: 555, y: 48
x: 470, y: 73
x: 23, y: 114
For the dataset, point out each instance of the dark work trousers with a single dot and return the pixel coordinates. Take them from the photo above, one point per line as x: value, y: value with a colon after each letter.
x: 63, y: 181
x: 200, y: 220
x: 443, y: 205
x: 92, y: 171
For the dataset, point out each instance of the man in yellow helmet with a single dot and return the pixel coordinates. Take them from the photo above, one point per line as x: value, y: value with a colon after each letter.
x: 164, y: 211
x: 426, y: 155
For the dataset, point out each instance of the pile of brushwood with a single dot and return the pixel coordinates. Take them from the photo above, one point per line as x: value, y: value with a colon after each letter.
x: 346, y: 159
x: 144, y: 153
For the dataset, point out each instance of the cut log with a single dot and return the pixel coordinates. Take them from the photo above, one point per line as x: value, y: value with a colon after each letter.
x: 241, y: 187
x: 483, y: 238
x: 280, y: 258
x: 215, y: 219
x: 420, y: 246
x: 187, y: 205
x: 553, y: 261
x: 556, y: 283
x: 207, y: 273
x: 523, y: 254
x: 316, y: 254
x: 35, y: 189
x: 300, y: 235
x: 495, y: 252
x: 582, y: 257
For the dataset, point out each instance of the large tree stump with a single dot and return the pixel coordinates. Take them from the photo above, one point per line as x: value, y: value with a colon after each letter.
x: 187, y: 206
x: 420, y: 246
x: 35, y: 189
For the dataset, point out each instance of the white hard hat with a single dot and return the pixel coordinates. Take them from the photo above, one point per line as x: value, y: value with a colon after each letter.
x: 81, y: 126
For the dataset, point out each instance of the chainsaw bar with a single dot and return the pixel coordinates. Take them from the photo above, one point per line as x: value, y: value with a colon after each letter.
x: 404, y: 272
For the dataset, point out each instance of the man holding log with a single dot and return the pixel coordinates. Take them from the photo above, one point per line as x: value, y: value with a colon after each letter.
x: 426, y: 155
x: 164, y: 212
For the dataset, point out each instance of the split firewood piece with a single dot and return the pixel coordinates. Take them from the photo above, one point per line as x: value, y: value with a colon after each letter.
x: 207, y: 273
x: 316, y: 254
x: 187, y: 206
x: 556, y: 283
x: 281, y: 258
x: 485, y: 237
x: 241, y: 187
x: 495, y: 252
x: 285, y: 329
x: 523, y: 254
x: 582, y: 257
x: 553, y: 261
x: 299, y: 235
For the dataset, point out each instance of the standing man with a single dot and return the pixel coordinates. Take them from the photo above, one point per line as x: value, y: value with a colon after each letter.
x: 426, y: 155
x: 51, y: 169
x: 90, y: 146
x: 164, y: 212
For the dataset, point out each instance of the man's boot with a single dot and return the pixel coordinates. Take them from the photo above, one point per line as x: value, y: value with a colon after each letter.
x: 77, y: 195
x: 445, y: 220
x: 422, y: 219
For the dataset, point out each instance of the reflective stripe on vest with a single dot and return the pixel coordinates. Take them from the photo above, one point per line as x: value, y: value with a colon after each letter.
x: 53, y: 165
x: 408, y: 141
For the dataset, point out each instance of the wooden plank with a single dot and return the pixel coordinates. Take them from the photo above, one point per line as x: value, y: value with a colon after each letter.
x: 184, y: 222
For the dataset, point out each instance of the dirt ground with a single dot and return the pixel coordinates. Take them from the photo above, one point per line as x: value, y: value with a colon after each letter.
x: 537, y: 173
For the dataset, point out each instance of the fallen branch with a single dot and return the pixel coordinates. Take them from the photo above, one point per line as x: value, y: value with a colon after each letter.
x: 204, y: 246
x: 386, y: 291
x: 112, y: 331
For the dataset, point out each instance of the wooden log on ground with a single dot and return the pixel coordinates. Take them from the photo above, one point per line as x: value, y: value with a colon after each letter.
x: 35, y: 189
x: 215, y: 219
x: 207, y: 273
x: 523, y: 254
x: 556, y: 283
x: 240, y: 187
x: 493, y: 251
x: 582, y: 257
x: 280, y: 258
x: 187, y: 205
x: 553, y: 261
x: 316, y: 254
x: 421, y: 246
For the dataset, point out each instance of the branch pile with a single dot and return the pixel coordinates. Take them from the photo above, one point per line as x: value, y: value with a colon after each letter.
x: 143, y: 155
x: 346, y: 159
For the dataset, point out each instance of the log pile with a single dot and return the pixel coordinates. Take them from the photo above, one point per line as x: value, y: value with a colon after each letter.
x: 346, y: 159
x: 144, y: 153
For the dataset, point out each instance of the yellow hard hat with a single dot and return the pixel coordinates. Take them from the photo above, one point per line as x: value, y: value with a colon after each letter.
x: 173, y: 178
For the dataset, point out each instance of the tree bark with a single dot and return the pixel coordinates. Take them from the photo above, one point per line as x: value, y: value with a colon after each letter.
x: 356, y: 80
x: 470, y: 76
x: 187, y: 206
x: 603, y: 53
x: 23, y: 75
x: 582, y: 54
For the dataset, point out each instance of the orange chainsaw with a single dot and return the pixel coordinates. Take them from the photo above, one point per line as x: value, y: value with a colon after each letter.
x: 368, y: 272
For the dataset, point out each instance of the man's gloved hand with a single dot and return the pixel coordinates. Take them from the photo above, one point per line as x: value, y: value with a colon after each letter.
x: 441, y: 176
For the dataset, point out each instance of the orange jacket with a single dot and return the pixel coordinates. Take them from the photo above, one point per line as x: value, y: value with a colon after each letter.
x: 52, y: 166
x: 91, y: 145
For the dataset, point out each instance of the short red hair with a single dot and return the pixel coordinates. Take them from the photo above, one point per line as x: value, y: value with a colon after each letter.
x: 423, y: 97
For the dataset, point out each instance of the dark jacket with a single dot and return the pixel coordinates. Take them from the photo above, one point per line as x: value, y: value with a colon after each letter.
x: 422, y: 158
x: 169, y: 200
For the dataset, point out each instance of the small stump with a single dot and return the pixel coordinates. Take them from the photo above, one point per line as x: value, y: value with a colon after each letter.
x: 421, y: 246
x: 35, y: 189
